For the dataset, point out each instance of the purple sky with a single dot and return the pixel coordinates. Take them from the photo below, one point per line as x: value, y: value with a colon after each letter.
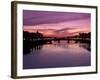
x: 49, y: 17
x: 54, y: 23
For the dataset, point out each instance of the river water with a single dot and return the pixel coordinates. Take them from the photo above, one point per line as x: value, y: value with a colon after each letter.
x: 58, y: 54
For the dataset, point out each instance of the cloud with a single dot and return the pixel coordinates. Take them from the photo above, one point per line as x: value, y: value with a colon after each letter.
x: 64, y: 29
x: 31, y: 17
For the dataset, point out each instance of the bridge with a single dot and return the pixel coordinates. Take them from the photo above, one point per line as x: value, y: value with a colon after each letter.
x: 49, y: 40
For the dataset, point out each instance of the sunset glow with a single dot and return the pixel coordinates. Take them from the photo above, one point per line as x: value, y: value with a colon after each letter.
x: 54, y: 39
x: 56, y: 24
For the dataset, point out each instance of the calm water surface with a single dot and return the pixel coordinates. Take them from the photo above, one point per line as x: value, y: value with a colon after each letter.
x: 57, y: 54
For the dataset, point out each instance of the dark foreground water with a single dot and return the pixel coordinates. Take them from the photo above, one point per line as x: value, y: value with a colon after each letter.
x: 57, y: 54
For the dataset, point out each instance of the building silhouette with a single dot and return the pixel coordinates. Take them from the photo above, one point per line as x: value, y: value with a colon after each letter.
x: 29, y: 36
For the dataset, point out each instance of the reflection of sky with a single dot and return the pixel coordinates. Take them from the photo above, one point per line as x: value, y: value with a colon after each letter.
x: 68, y: 49
x: 54, y: 23
x: 61, y: 54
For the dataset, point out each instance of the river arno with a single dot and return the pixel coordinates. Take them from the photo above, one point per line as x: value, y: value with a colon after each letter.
x: 58, y: 54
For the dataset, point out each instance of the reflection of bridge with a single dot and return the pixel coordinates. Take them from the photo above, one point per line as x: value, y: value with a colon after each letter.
x: 38, y: 43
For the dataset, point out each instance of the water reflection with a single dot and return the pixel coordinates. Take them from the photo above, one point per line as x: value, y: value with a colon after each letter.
x: 56, y: 54
x: 63, y: 43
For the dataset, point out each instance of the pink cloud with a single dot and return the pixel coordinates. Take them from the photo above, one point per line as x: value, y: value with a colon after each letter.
x: 62, y: 28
